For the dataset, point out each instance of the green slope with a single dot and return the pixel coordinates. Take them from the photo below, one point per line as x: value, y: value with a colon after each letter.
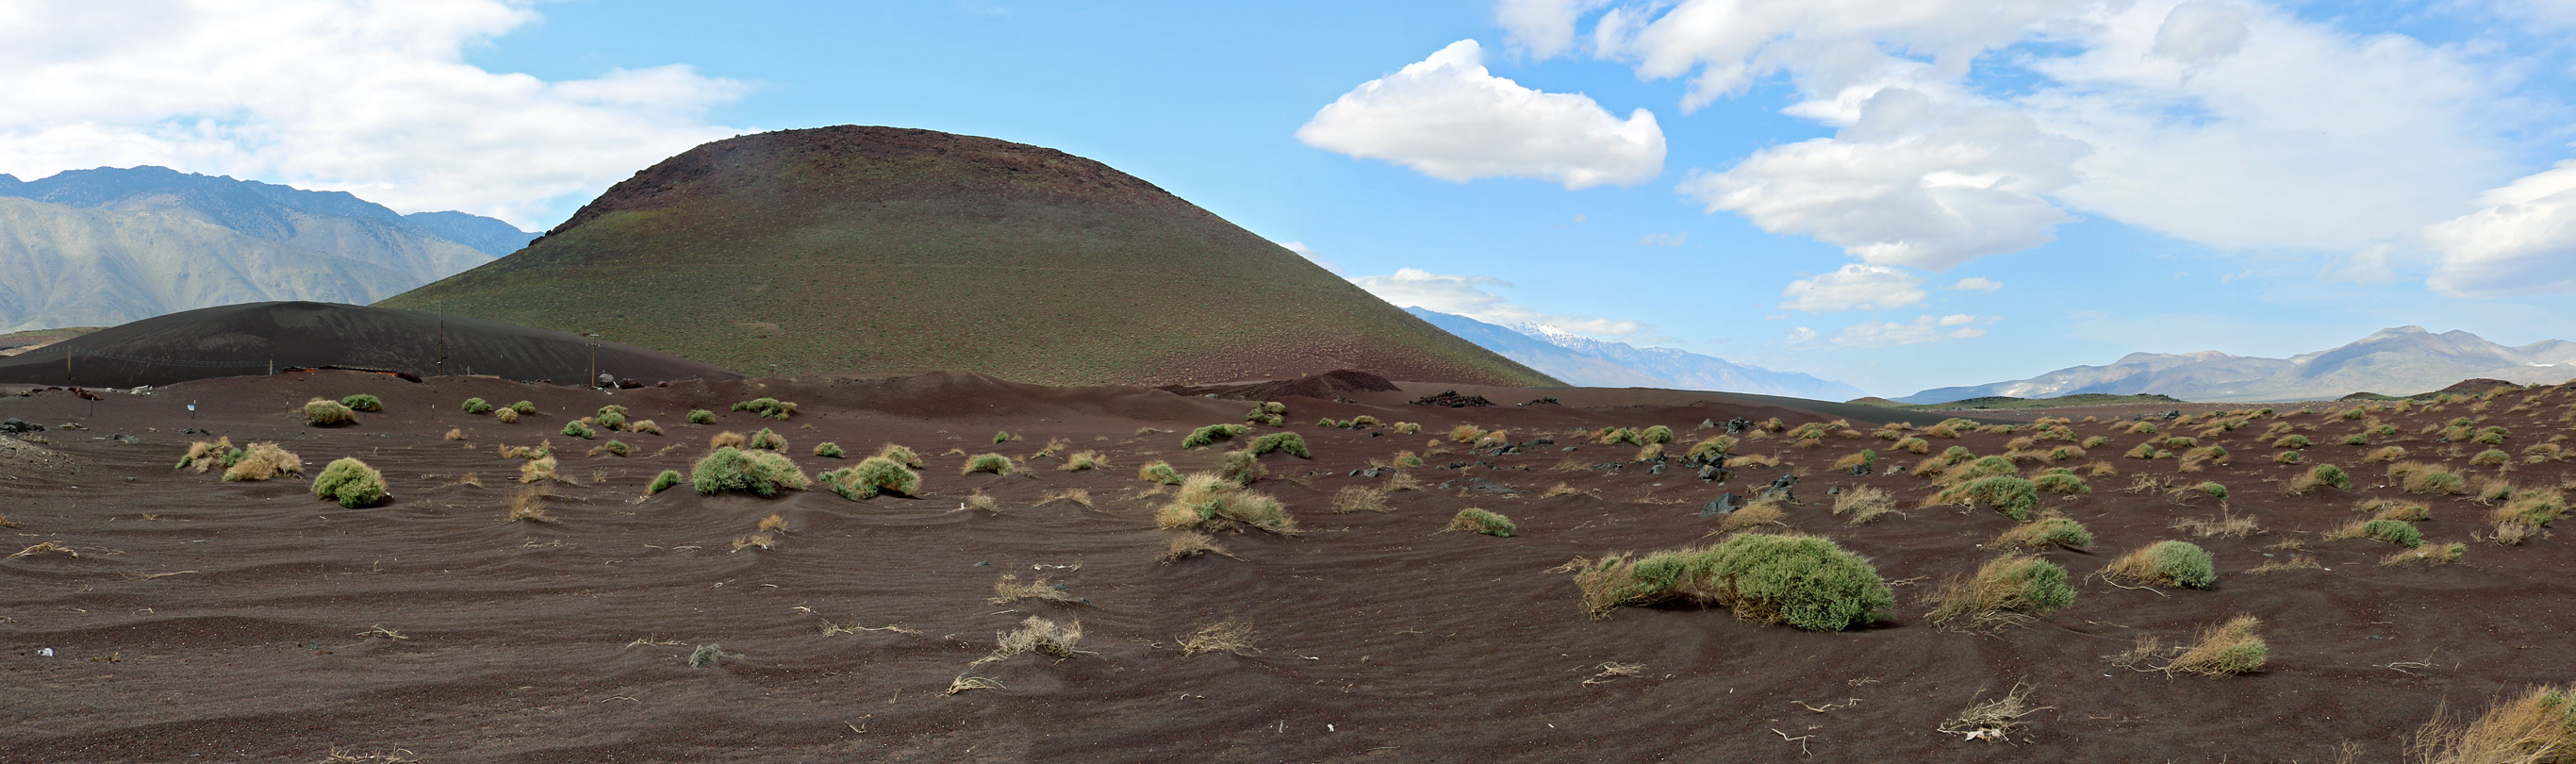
x: 881, y: 250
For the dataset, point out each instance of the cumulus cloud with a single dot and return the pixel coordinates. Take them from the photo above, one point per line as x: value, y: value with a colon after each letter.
x: 1663, y: 239
x: 1854, y: 287
x: 367, y: 97
x: 1976, y: 284
x: 2523, y: 242
x: 1543, y: 28
x: 2232, y: 124
x: 1911, y: 182
x: 1311, y: 255
x: 1447, y: 117
x: 1468, y: 296
x: 1924, y: 329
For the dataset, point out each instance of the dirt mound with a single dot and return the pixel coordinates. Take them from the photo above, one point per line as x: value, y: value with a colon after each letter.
x: 2478, y: 386
x: 1329, y: 385
x: 874, y: 250
x: 1452, y: 399
x: 262, y: 337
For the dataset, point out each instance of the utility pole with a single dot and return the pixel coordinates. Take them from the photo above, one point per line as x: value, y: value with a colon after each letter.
x: 593, y: 379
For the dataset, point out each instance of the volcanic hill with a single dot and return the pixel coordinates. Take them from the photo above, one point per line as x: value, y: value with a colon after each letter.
x: 883, y: 250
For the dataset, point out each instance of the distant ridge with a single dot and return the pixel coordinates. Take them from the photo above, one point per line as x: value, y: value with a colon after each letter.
x: 885, y: 250
x: 2402, y: 358
x: 1595, y: 363
x: 109, y: 246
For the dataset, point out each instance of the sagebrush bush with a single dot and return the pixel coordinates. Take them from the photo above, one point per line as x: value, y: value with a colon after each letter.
x: 993, y: 463
x: 764, y: 473
x: 524, y: 408
x: 363, y: 402
x: 1476, y: 520
x: 767, y: 407
x: 350, y: 482
x: 2043, y: 533
x: 1804, y: 581
x: 324, y: 412
x: 578, y: 430
x: 2165, y: 563
x: 701, y: 416
x: 477, y: 406
x: 2396, y: 532
x: 1211, y: 434
x: 766, y: 440
x: 2002, y: 590
x: 1289, y: 443
x: 2493, y: 457
x: 871, y: 476
x: 1241, y: 466
x: 664, y: 481
x: 828, y: 450
x: 1158, y: 472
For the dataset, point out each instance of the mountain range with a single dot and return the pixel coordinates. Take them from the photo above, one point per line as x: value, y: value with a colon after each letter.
x: 108, y: 246
x: 1588, y: 362
x: 2403, y: 360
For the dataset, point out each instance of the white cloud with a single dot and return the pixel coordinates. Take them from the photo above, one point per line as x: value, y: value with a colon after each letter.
x: 1922, y: 330
x: 367, y: 97
x: 1543, y: 28
x: 2523, y: 242
x: 1911, y: 182
x: 1312, y: 256
x: 1854, y: 287
x: 1448, y: 118
x: 1800, y: 336
x: 1663, y: 239
x: 2231, y: 124
x: 1467, y: 296
x: 1976, y: 284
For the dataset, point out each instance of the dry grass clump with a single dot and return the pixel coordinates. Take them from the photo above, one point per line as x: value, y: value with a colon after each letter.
x: 612, y: 448
x: 2294, y: 562
x: 1009, y: 588
x: 1760, y: 513
x: 1039, y: 636
x: 2227, y: 649
x: 2006, y: 591
x: 2393, y: 509
x: 529, y: 505
x: 2536, y: 507
x: 1478, y: 520
x: 1752, y: 460
x: 455, y: 433
x: 507, y: 416
x: 1208, y: 502
x: 1187, y: 544
x: 1859, y: 506
x: 2385, y: 454
x: 262, y: 461
x: 2419, y: 477
x: 2538, y: 727
x: 1913, y: 445
x: 762, y: 541
x: 2426, y: 556
x: 993, y: 463
x: 1402, y: 481
x: 2164, y: 563
x: 726, y: 439
x: 324, y: 412
x: 45, y: 547
x: 1465, y: 433
x: 2045, y: 532
x: 2493, y: 457
x: 1084, y: 460
x: 540, y: 468
x: 1231, y: 635
x: 1994, y: 720
x: 2012, y: 496
x: 1560, y: 489
x: 1360, y: 498
x: 2326, y: 475
x: 1864, y: 459
x: 1804, y: 581
x: 2227, y: 524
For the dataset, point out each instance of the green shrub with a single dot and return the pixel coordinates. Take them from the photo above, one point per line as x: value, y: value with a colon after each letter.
x: 363, y: 402
x: 1273, y: 407
x: 1957, y: 454
x: 613, y: 448
x: 2437, y: 482
x: 1326, y: 422
x: 765, y: 440
x: 871, y: 476
x: 1285, y: 442
x: 993, y: 463
x: 1611, y: 436
x: 2012, y: 496
x: 2181, y: 442
x: 477, y: 406
x: 1713, y: 449
x: 2212, y: 489
x: 2397, y: 532
x: 2166, y: 563
x: 1476, y: 520
x: 576, y: 429
x: 2044, y: 533
x: 760, y: 472
x: 767, y: 407
x: 1159, y: 472
x: 1211, y: 434
x: 350, y: 482
x: 828, y: 450
x: 1241, y: 468
x: 1991, y: 466
x: 1002, y: 436
x: 2291, y: 441
x: 2356, y: 439
x: 1362, y: 421
x: 524, y: 408
x: 2002, y: 589
x: 1657, y: 434
x: 2061, y: 480
x: 2493, y: 457
x: 1804, y: 581
x: 2323, y: 474
x: 2142, y: 451
x: 324, y: 412
x: 664, y: 481
x: 611, y: 417
x: 2384, y: 430
x: 2492, y: 436
x: 2096, y: 441
x: 1407, y: 459
x: 701, y: 416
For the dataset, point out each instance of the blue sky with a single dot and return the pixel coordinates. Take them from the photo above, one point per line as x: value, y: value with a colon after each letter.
x: 1896, y: 194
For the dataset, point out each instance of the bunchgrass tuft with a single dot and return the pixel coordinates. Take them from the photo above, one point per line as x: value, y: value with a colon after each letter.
x: 2164, y: 563
x: 828, y: 450
x: 1803, y: 581
x: 664, y: 481
x: 1476, y: 520
x: 1160, y: 473
x: 324, y: 412
x: 871, y: 476
x: 766, y: 440
x: 993, y: 463
x: 2043, y: 533
x: 2012, y: 496
x: 1211, y: 434
x: 2007, y: 590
